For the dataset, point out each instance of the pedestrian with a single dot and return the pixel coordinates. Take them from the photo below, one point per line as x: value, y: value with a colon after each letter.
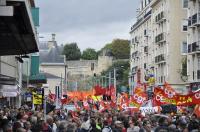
x: 106, y: 127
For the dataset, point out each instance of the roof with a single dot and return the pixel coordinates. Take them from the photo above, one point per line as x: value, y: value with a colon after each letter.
x: 50, y: 52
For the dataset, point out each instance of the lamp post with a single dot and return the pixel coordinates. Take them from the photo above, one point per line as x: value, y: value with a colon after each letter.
x: 65, y: 80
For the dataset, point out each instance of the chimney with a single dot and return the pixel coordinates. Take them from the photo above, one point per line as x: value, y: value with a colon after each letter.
x: 53, y: 36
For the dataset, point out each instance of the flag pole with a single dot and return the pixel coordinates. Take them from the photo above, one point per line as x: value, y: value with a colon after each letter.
x: 45, y: 108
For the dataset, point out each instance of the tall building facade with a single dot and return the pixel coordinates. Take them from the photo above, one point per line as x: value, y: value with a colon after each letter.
x: 158, y: 42
x: 193, y: 56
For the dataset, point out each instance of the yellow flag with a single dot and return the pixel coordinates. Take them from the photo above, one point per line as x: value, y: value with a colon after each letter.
x: 37, y: 98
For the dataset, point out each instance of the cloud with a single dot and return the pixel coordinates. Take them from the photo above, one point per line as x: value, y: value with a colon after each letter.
x: 90, y: 23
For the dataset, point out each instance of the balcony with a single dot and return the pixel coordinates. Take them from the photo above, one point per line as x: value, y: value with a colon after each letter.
x: 194, y: 47
x: 160, y: 58
x: 160, y: 17
x: 135, y: 55
x: 160, y: 38
x: 194, y: 20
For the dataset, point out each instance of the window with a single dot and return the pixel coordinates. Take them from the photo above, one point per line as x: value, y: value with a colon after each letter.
x: 184, y: 28
x: 185, y: 3
x: 184, y: 47
x: 184, y: 25
x: 92, y: 66
x: 198, y: 63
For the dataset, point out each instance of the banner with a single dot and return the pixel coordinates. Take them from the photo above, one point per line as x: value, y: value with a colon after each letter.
x: 162, y: 97
x: 37, y: 98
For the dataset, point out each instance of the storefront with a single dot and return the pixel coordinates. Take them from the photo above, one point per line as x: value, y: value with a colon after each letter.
x: 8, y: 94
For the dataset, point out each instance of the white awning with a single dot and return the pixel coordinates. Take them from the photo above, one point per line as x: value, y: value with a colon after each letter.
x: 9, y: 90
x: 10, y: 94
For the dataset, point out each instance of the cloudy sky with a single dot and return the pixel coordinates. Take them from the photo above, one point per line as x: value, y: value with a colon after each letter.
x: 90, y: 23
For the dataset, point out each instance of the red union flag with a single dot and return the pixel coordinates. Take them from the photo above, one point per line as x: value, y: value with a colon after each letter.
x: 160, y: 98
x: 138, y: 99
x: 169, y: 91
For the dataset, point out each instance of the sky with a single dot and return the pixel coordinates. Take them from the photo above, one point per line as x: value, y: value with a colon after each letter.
x: 90, y: 23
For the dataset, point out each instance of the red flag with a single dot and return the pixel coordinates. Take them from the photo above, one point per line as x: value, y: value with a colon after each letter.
x: 86, y: 105
x: 169, y: 90
x: 160, y: 98
x: 64, y: 101
x: 102, y: 106
x: 52, y: 96
x: 113, y: 93
x: 139, y: 99
x: 99, y: 90
x: 77, y: 106
x: 197, y: 110
x: 112, y: 104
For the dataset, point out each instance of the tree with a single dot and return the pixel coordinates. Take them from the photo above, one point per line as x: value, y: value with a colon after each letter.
x: 120, y: 48
x: 72, y: 51
x: 89, y: 54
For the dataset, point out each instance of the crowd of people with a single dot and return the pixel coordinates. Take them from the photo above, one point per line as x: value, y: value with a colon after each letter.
x: 62, y: 120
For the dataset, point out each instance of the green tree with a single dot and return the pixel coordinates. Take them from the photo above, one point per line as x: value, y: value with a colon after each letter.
x: 89, y: 54
x: 72, y: 51
x: 120, y: 48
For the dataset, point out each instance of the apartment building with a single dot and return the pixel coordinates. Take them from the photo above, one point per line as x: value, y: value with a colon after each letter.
x: 193, y: 56
x: 159, y: 39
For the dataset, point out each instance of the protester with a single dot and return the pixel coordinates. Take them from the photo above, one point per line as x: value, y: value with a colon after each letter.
x: 108, y: 119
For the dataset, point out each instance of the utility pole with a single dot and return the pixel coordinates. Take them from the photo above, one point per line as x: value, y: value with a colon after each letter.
x: 115, y: 82
x: 45, y: 108
x: 61, y: 86
x: 20, y: 84
x: 109, y: 79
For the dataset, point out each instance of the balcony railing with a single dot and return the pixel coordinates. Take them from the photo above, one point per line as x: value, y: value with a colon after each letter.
x: 160, y: 38
x: 135, y: 54
x: 194, y: 47
x: 194, y: 20
x: 160, y: 17
x: 160, y: 58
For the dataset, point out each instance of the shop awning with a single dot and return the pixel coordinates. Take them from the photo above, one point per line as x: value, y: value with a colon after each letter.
x: 17, y: 32
x: 38, y: 78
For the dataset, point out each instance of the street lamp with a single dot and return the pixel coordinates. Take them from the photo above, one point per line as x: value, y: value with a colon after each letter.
x: 65, y: 80
x: 115, y: 79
